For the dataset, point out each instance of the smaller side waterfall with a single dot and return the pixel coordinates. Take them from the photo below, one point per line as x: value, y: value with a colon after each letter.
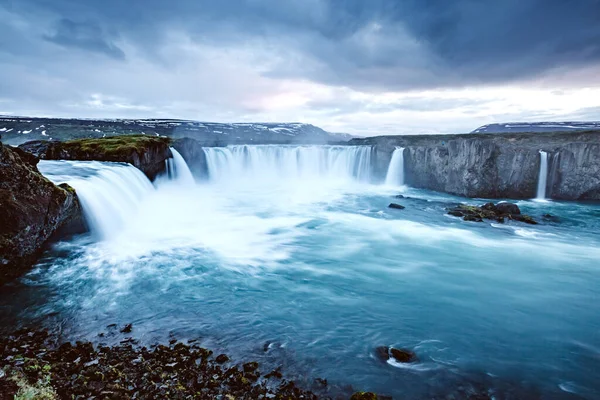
x: 543, y: 176
x: 395, y: 173
x: 110, y: 193
x: 178, y: 170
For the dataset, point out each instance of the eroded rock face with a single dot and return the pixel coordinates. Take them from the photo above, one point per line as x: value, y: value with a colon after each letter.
x: 147, y: 153
x: 33, y: 209
x: 495, y: 165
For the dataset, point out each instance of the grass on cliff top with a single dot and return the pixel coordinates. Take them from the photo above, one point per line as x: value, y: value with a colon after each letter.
x: 116, y: 144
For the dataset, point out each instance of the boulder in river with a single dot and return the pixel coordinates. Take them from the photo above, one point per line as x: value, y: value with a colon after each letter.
x: 396, y: 206
x: 33, y: 210
x: 384, y: 353
x: 498, y: 212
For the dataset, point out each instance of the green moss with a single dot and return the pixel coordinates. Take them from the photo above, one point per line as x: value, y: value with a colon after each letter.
x: 40, y: 390
x: 115, y: 144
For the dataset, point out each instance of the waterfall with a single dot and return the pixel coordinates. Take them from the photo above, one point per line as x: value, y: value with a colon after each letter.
x: 178, y: 170
x: 395, y: 173
x: 109, y: 193
x: 289, y: 162
x: 543, y: 176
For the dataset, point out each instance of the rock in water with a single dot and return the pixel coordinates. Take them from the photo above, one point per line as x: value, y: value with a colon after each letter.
x: 363, y: 396
x: 32, y: 210
x: 383, y: 353
x: 396, y: 206
x: 403, y: 355
x: 508, y: 208
x: 498, y: 212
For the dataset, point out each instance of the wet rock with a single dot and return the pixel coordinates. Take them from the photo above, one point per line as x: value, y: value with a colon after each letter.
x: 127, y: 328
x: 403, y: 355
x: 274, y: 374
x: 33, y: 210
x: 396, y: 206
x: 399, y: 196
x: 383, y: 353
x: 551, y: 218
x: 497, y: 212
x: 363, y: 396
x: 250, y: 367
x: 222, y: 358
x: 508, y: 208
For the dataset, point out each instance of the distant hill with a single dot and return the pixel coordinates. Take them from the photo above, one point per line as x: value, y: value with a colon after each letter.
x: 17, y: 130
x: 537, y: 127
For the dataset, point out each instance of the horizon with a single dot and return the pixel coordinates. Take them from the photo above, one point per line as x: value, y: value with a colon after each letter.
x: 360, y: 68
x: 356, y: 135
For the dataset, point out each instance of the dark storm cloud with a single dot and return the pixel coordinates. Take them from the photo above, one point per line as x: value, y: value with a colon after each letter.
x: 376, y: 44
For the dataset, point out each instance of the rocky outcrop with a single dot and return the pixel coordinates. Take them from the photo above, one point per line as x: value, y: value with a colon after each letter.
x: 497, y: 212
x: 495, y: 166
x: 33, y: 209
x: 194, y: 156
x: 147, y: 153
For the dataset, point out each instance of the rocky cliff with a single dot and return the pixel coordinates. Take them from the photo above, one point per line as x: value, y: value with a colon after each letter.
x: 496, y: 166
x: 33, y: 209
x: 194, y: 156
x: 147, y: 153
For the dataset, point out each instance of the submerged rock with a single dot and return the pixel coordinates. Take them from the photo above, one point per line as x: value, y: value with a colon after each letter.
x: 396, y: 206
x: 32, y: 211
x: 498, y: 212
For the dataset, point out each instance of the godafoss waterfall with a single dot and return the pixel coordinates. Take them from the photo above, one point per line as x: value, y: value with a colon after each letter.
x: 289, y: 255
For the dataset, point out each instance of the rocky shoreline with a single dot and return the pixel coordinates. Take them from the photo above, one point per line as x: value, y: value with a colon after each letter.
x: 34, y: 363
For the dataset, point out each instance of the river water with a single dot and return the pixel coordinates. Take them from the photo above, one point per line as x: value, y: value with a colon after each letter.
x: 290, y: 256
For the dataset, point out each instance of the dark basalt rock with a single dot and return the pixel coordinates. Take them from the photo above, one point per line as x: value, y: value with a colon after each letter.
x: 128, y: 372
x: 497, y: 212
x: 403, y: 355
x: 383, y: 353
x: 33, y: 212
x: 127, y: 328
x: 396, y: 206
x: 363, y: 396
x: 222, y: 358
x: 147, y: 153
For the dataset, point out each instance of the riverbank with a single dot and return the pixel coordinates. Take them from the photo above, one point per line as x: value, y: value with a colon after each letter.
x: 33, y: 365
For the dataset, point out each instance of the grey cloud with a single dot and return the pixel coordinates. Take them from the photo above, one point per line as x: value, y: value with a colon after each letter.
x: 370, y: 45
x: 86, y: 36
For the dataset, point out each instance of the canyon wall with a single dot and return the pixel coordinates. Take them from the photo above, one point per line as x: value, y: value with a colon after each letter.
x: 495, y: 165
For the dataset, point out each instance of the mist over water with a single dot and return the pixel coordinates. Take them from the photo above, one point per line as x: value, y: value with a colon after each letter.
x: 290, y: 248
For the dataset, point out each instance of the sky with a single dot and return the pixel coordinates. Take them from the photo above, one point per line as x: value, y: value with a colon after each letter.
x: 364, y: 67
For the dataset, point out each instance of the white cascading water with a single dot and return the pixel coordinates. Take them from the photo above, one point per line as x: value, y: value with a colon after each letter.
x: 266, y: 162
x: 395, y: 173
x: 543, y: 176
x: 109, y: 192
x: 178, y: 170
